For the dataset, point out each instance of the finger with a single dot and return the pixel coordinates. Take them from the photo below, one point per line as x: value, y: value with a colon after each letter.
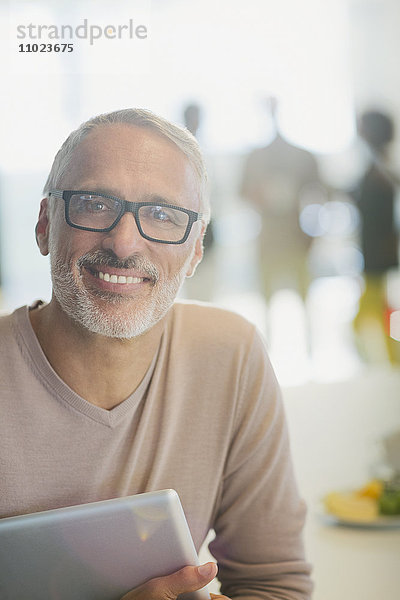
x: 169, y: 587
x: 186, y: 580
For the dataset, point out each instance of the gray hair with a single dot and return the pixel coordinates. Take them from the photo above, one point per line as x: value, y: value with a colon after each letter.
x: 181, y: 137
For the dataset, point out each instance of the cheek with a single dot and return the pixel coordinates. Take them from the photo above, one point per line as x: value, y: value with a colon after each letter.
x: 70, y: 244
x: 176, y: 259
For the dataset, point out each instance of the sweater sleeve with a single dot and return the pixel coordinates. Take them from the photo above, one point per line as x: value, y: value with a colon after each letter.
x: 258, y: 543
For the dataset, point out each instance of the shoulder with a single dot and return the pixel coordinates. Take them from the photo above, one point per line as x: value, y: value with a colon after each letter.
x: 6, y: 320
x: 9, y: 336
x: 210, y: 321
x: 14, y: 325
x: 211, y: 333
x: 223, y: 352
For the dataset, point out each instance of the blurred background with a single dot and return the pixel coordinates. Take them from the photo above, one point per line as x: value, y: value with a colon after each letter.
x: 296, y: 106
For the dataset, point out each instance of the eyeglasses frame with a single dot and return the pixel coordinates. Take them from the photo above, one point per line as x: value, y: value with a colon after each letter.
x: 126, y: 206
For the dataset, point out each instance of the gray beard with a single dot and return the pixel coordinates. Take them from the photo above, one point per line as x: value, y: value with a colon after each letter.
x: 122, y: 322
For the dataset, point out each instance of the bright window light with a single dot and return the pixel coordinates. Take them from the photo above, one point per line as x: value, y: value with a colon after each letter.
x: 227, y: 55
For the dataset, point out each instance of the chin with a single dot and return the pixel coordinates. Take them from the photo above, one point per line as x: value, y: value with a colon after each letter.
x: 108, y: 313
x: 117, y: 318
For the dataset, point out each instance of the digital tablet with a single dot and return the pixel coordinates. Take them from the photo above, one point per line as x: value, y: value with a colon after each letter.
x: 96, y: 551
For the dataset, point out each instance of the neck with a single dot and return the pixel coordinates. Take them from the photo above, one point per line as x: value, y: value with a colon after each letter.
x: 102, y: 370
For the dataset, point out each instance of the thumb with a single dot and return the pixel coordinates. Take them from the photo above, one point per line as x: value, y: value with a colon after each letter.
x: 185, y: 580
x: 188, y: 579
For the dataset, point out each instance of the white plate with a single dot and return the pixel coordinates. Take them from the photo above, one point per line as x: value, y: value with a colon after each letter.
x: 381, y: 522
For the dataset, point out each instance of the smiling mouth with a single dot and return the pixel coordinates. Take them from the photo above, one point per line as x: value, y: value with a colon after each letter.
x: 105, y: 266
x: 119, y: 278
x: 115, y: 278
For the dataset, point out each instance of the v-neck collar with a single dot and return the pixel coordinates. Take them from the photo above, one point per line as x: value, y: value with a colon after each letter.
x: 43, y: 370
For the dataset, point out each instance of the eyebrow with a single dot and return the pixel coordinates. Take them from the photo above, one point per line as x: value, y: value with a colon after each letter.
x: 156, y: 198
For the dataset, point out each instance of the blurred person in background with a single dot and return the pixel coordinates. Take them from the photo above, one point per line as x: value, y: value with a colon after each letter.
x: 192, y: 116
x: 273, y: 179
x: 375, y: 198
x: 202, y: 286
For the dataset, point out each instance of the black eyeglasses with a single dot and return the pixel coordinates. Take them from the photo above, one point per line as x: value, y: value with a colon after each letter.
x: 157, y: 222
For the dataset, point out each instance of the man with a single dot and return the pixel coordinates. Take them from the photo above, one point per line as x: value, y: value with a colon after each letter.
x: 276, y: 179
x: 113, y: 389
x: 375, y: 196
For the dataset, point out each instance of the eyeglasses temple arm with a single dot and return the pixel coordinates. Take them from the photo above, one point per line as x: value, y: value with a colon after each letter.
x: 56, y: 193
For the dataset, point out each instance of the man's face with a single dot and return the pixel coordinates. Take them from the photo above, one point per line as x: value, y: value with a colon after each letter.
x: 134, y: 164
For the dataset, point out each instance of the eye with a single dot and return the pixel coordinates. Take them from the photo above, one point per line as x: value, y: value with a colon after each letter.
x: 95, y: 204
x: 156, y: 213
x: 160, y: 214
x: 163, y: 215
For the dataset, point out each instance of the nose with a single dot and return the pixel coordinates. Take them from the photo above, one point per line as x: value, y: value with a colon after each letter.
x: 124, y: 239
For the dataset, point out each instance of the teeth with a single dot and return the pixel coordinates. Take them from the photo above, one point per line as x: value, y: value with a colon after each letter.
x: 119, y: 278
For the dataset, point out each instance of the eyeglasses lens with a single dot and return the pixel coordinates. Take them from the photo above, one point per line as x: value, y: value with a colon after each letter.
x: 163, y: 223
x: 97, y: 212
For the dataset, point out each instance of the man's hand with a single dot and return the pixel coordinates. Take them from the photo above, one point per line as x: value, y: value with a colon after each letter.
x: 188, y: 579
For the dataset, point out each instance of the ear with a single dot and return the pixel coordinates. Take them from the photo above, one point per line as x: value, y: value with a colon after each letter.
x: 197, y: 253
x: 42, y: 228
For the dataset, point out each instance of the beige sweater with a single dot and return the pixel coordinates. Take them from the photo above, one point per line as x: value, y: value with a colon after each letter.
x: 207, y: 420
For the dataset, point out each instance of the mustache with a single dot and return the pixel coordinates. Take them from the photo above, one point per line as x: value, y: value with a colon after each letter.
x: 109, y: 259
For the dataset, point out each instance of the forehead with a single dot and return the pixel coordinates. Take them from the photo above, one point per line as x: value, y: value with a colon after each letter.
x: 132, y: 162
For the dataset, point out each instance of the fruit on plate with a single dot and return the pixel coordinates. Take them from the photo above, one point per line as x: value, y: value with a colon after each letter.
x: 389, y: 500
x: 372, y: 489
x: 367, y: 503
x: 351, y: 507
